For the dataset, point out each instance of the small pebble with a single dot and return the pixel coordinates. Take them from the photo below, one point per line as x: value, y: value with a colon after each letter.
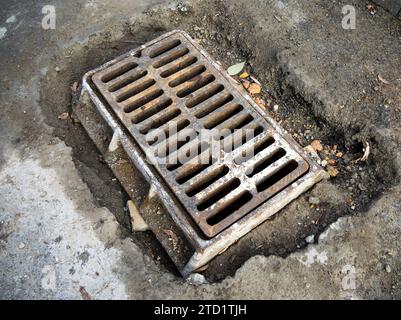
x: 21, y: 245
x: 314, y: 200
x: 324, y: 163
x: 388, y: 268
x: 57, y: 69
x: 310, y: 239
x: 275, y: 108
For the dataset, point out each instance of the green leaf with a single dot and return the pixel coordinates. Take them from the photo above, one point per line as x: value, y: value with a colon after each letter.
x: 236, y: 68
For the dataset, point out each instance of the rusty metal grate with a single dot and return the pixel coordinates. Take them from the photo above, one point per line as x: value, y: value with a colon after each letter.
x: 172, y: 84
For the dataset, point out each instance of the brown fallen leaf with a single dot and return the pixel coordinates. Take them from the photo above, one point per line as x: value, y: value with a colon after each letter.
x: 317, y: 145
x: 64, y: 116
x: 331, y: 162
x: 84, y: 294
x: 244, y: 75
x: 261, y: 103
x: 254, y: 88
x: 333, y: 172
x: 381, y: 79
x: 339, y: 154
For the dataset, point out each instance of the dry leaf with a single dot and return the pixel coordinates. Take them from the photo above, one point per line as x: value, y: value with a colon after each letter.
x: 339, y: 154
x: 261, y: 103
x: 84, y: 294
x: 333, y: 172
x: 331, y: 162
x: 244, y: 75
x: 64, y: 116
x: 236, y: 68
x: 254, y: 88
x: 381, y: 79
x: 317, y: 145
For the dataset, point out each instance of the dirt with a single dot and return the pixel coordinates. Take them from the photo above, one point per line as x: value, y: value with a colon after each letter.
x: 352, y: 191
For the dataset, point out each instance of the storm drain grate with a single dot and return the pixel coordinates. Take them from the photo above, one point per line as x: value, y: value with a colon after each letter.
x: 172, y: 87
x: 169, y: 94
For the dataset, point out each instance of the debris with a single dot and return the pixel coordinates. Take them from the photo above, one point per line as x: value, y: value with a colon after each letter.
x: 333, y: 172
x: 244, y: 75
x: 339, y: 154
x: 332, y: 162
x: 323, y: 163
x: 172, y: 237
x: 310, y: 239
x: 388, y: 268
x: 314, y: 200
x: 196, y: 279
x: 254, y: 88
x: 64, y: 116
x: 204, y: 268
x: 255, y: 80
x: 317, y: 145
x: 277, y: 18
x: 57, y: 69
x: 261, y: 103
x: 372, y: 9
x: 137, y: 222
x: 275, y: 108
x: 236, y: 68
x: 84, y: 294
x: 381, y: 79
x: 21, y: 246
x: 74, y: 87
x: 365, y: 155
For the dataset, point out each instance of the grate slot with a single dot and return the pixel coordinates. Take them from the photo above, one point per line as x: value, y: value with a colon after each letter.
x: 164, y: 47
x: 212, y: 104
x: 230, y: 207
x: 160, y: 119
x: 178, y: 65
x: 254, y: 150
x: 133, y: 89
x: 126, y: 79
x: 150, y: 109
x: 117, y: 70
x: 266, y: 162
x: 204, y: 94
x: 166, y: 130
x: 220, y: 116
x: 218, y: 194
x: 270, y: 181
x: 186, y: 75
x: 170, y: 57
x: 195, y: 84
x: 206, y: 181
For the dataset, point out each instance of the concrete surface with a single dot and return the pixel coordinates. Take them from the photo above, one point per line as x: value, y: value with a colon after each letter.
x: 58, y: 235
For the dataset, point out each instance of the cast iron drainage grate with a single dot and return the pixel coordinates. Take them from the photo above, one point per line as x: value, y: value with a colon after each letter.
x: 219, y: 165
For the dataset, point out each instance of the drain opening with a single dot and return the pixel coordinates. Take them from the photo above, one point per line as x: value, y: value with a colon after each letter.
x: 218, y: 194
x: 276, y: 177
x: 231, y: 207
